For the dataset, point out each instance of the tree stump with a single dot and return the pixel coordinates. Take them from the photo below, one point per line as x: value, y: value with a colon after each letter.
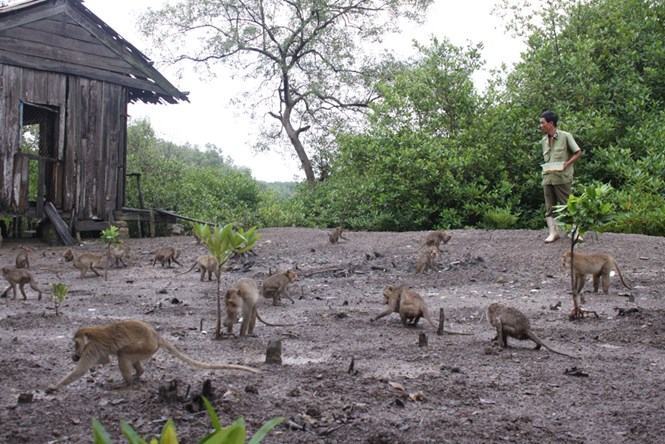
x: 442, y: 319
x: 274, y: 352
x: 422, y: 340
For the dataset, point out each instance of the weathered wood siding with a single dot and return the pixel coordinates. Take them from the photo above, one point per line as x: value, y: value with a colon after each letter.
x: 89, y: 176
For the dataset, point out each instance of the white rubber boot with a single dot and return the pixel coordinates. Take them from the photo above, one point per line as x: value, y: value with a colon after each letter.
x: 553, y: 233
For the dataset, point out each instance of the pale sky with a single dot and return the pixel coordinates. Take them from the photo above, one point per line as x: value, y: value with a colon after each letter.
x: 211, y: 118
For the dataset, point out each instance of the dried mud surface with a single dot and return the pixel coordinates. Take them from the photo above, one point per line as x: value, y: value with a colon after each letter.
x: 458, y: 389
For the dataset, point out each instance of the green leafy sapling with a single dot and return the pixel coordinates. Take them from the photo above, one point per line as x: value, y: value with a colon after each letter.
x: 110, y: 236
x: 234, y: 433
x: 592, y: 210
x: 59, y: 294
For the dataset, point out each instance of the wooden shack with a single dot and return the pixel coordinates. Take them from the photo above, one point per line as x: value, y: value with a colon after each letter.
x: 67, y: 77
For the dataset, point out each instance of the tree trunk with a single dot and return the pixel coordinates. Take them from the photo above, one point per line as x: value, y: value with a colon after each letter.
x: 294, y: 137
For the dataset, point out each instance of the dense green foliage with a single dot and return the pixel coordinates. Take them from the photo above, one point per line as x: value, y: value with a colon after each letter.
x: 198, y: 183
x: 439, y: 154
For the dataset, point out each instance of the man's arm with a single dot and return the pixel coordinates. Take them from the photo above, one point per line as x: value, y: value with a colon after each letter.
x: 572, y: 159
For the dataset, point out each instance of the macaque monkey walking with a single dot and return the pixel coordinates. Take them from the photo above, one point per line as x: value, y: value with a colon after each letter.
x: 434, y: 239
x: 207, y: 264
x: 85, y: 262
x: 240, y: 300
x: 510, y: 322
x: 275, y: 286
x: 335, y: 235
x: 410, y: 306
x: 20, y: 277
x: 119, y: 252
x: 132, y: 342
x: 166, y: 255
x: 598, y: 265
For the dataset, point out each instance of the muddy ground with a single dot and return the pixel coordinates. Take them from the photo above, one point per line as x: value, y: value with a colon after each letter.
x: 458, y: 389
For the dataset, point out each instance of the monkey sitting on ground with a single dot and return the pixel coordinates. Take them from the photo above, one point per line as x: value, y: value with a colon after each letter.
x: 511, y: 322
x: 598, y: 265
x: 206, y: 264
x: 166, y: 255
x: 276, y: 285
x: 118, y: 252
x: 23, y: 258
x: 426, y: 259
x: 335, y: 235
x: 20, y: 277
x: 435, y: 238
x: 240, y: 300
x: 410, y: 306
x: 85, y: 262
x: 132, y: 342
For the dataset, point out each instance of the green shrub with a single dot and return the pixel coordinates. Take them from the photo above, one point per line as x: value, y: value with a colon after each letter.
x: 499, y: 218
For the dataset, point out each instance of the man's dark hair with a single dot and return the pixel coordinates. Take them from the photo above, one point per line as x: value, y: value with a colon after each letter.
x: 550, y: 117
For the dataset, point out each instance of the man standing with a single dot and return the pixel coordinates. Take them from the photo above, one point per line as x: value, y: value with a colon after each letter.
x: 560, y: 152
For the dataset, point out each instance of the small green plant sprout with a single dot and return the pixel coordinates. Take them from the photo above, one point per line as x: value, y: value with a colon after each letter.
x: 235, y: 433
x: 250, y: 237
x: 110, y: 236
x: 201, y: 232
x: 592, y: 210
x: 59, y: 294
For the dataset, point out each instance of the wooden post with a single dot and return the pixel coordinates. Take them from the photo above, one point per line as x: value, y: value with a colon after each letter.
x: 422, y: 340
x: 274, y: 352
x: 441, y: 321
x: 152, y: 223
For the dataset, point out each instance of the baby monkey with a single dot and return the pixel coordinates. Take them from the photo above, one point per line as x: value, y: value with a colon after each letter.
x: 598, y: 265
x: 240, y: 300
x: 20, y: 277
x: 119, y: 252
x: 132, y: 342
x: 509, y: 321
x: 85, y: 262
x: 276, y: 285
x: 166, y: 255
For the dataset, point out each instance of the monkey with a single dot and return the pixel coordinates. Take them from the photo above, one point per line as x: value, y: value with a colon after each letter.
x: 410, y: 306
x: 23, y: 258
x: 276, y: 285
x: 598, y: 265
x: 207, y: 264
x: 241, y: 300
x: 336, y: 235
x: 509, y: 321
x: 132, y: 342
x: 20, y: 277
x: 435, y: 238
x: 165, y: 256
x: 426, y: 259
x: 85, y: 262
x: 118, y: 252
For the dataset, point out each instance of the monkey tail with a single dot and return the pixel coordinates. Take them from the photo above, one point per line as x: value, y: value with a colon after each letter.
x: 198, y: 364
x: 538, y: 341
x: 616, y: 267
x: 190, y: 269
x: 272, y: 325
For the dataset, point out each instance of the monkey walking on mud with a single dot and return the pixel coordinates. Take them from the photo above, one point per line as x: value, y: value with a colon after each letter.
x: 131, y: 342
x: 510, y: 322
x: 19, y: 277
x: 166, y: 255
x: 275, y: 286
x: 240, y: 300
x: 599, y: 265
x: 435, y: 238
x: 426, y: 259
x: 207, y: 264
x: 410, y: 306
x: 85, y: 262
x: 335, y: 235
